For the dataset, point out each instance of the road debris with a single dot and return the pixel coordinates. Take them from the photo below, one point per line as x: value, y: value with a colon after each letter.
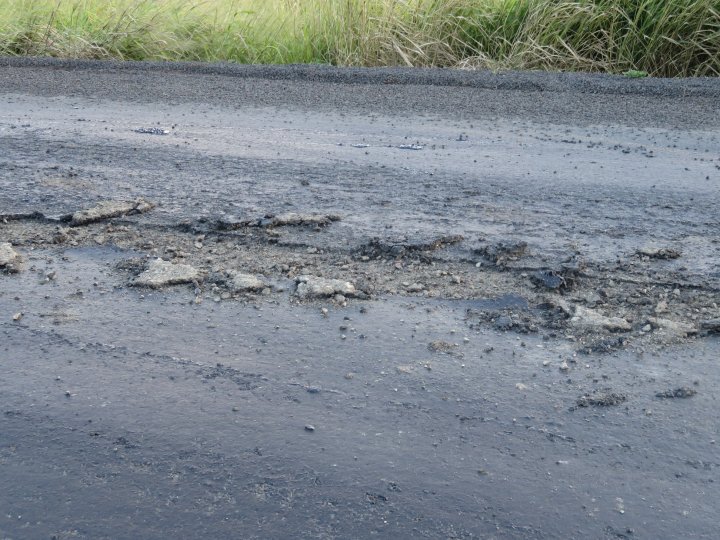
x: 710, y: 326
x: 317, y: 287
x: 442, y: 346
x: 160, y: 273
x: 378, y: 248
x: 110, y: 209
x: 9, y: 258
x: 652, y: 252
x: 589, y: 319
x: 681, y: 392
x: 295, y: 219
x: 503, y: 251
x: 674, y: 328
x: 242, y: 282
x: 601, y: 399
x: 151, y: 131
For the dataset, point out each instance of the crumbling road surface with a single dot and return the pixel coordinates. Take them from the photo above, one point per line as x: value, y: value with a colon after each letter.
x: 250, y: 302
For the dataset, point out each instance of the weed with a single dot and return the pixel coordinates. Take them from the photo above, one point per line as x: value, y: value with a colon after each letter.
x: 657, y: 37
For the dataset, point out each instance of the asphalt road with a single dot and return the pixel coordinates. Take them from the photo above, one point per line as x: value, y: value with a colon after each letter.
x: 528, y: 349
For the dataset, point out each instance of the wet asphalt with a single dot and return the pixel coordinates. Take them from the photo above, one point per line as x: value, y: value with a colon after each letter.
x: 133, y: 413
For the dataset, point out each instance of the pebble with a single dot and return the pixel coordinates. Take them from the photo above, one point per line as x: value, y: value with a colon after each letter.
x: 309, y: 427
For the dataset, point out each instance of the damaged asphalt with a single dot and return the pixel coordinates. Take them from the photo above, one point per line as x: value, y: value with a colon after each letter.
x: 261, y: 302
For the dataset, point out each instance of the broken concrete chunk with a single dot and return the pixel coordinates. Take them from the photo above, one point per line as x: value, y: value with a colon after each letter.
x: 110, y: 209
x: 242, y: 282
x: 9, y: 258
x: 160, y: 273
x: 317, y: 287
x: 592, y: 320
x: 658, y: 253
x: 676, y: 328
x: 294, y: 218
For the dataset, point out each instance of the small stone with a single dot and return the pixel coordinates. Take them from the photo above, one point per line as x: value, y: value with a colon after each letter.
x: 521, y: 386
x: 564, y: 366
x: 313, y: 389
x: 17, y: 316
x: 309, y: 427
x: 647, y: 328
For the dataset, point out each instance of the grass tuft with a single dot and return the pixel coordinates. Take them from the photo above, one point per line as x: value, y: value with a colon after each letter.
x: 657, y: 37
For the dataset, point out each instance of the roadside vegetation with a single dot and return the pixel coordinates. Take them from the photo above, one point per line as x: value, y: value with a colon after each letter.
x: 657, y: 37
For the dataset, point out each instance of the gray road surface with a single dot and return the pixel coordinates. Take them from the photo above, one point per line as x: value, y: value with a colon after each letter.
x: 531, y: 349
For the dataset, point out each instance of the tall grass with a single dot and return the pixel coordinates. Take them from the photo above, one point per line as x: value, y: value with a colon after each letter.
x: 661, y: 37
